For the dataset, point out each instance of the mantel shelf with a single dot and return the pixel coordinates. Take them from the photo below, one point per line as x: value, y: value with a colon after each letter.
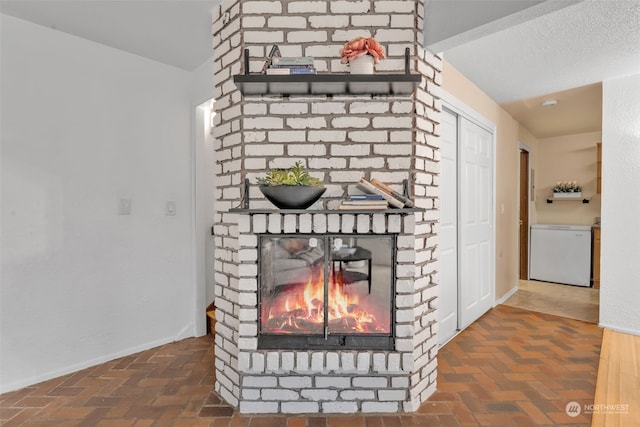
x: 327, y: 84
x: 403, y: 211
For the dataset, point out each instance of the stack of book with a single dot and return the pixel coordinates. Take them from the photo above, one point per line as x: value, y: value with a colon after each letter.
x: 393, y: 198
x: 286, y: 65
x: 363, y: 201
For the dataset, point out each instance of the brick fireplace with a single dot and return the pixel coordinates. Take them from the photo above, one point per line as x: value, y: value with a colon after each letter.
x: 340, y: 138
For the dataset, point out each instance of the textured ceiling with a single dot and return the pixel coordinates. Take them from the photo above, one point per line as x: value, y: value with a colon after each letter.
x: 581, y: 44
x: 578, y: 110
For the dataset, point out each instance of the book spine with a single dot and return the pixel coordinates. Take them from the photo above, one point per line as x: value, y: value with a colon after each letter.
x: 292, y: 67
x: 365, y: 197
x: 384, y: 187
x: 285, y: 60
x: 375, y: 190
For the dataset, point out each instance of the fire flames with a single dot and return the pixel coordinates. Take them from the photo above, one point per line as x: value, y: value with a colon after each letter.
x: 301, y: 309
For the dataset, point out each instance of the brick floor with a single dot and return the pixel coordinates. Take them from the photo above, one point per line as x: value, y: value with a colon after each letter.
x: 510, y: 368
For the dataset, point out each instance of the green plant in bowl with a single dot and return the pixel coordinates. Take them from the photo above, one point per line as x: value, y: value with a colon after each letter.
x: 291, y: 188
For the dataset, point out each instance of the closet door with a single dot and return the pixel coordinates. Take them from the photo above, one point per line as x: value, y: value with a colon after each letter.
x: 466, y: 223
x: 475, y: 221
x: 448, y: 239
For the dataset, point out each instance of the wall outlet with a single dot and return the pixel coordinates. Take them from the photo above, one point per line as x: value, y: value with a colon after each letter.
x: 170, y: 208
x: 124, y: 207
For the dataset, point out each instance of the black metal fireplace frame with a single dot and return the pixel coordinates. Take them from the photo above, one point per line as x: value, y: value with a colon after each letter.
x: 369, y: 341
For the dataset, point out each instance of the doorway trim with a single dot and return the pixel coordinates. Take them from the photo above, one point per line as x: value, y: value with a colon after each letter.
x: 460, y: 108
x: 530, y: 198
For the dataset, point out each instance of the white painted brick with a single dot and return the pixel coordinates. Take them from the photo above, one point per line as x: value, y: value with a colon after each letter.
x: 401, y: 136
x: 354, y: 7
x: 366, y: 162
x: 254, y: 109
x: 290, y: 224
x: 248, y: 298
x: 254, y: 136
x: 370, y: 20
x: 333, y: 382
x: 295, y: 382
x: 364, y: 362
x: 319, y: 223
x: 393, y: 149
x: 259, y: 381
x: 247, y: 343
x: 262, y: 123
x: 329, y: 21
x: 263, y: 36
x: 306, y: 36
x: 258, y: 407
x: 394, y: 6
x: 247, y: 255
x: 368, y: 136
x: 393, y: 362
x: 333, y: 361
x: 346, y: 35
x: 357, y: 395
x: 275, y: 223
x: 339, y: 407
x: 392, y: 122
x: 248, y: 284
x: 307, y: 123
x: 299, y: 407
x: 317, y: 362
x: 331, y: 163
x: 250, y: 394
x: 369, y: 107
x: 302, y: 361
x: 255, y: 163
x: 363, y: 222
x: 359, y: 150
x: 307, y: 7
x: 392, y: 395
x: 326, y: 136
x: 323, y: 50
x: 320, y: 394
x: 379, y: 362
x: 379, y: 224
x: 350, y: 122
x: 328, y: 108
x: 261, y: 7
x: 348, y: 223
x: 273, y: 361
x: 286, y: 136
x: 333, y: 223
x: 287, y: 22
x: 370, y: 382
x: 402, y: 21
x: 305, y: 223
x: 400, y: 382
x: 395, y: 35
x: 386, y: 407
x: 289, y: 108
x: 259, y: 223
x: 307, y: 150
x: 247, y: 270
x: 345, y: 176
x: 287, y: 363
x: 253, y: 22
x: 244, y: 223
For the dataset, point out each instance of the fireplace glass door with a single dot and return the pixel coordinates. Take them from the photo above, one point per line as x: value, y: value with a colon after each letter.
x: 326, y: 291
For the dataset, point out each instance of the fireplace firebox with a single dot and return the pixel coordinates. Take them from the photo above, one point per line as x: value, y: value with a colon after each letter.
x: 329, y: 291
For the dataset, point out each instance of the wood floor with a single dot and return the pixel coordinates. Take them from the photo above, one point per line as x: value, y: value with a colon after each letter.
x: 574, y: 302
x: 617, y: 397
x: 510, y: 368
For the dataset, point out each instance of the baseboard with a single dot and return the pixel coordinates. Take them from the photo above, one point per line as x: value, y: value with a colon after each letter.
x: 507, y: 296
x: 618, y: 329
x: 25, y: 382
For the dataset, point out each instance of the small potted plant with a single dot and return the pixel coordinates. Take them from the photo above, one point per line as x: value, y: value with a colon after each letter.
x: 567, y: 189
x: 291, y: 188
x: 361, y: 54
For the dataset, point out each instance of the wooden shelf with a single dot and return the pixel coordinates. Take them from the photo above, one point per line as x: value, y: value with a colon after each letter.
x: 327, y: 84
x: 402, y: 211
x: 569, y: 199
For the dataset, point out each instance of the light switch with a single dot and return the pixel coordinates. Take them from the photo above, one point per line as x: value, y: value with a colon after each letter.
x: 124, y: 207
x: 170, y: 208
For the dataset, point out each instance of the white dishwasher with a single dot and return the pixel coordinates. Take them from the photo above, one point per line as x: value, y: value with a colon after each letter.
x: 560, y: 254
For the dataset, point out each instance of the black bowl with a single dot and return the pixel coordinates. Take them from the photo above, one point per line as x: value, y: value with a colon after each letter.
x: 292, y: 196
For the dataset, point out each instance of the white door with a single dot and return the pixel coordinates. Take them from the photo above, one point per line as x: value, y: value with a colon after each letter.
x: 475, y: 221
x: 466, y: 223
x: 448, y: 240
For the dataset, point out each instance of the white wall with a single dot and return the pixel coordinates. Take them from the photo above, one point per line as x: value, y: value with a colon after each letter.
x: 82, y: 126
x: 620, y: 275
